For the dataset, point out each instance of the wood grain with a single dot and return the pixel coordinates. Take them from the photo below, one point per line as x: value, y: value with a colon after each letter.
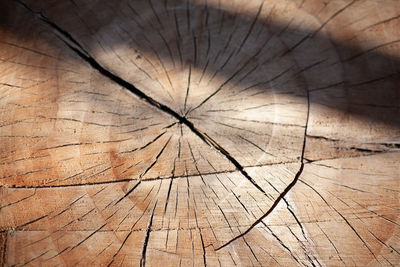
x: 213, y: 133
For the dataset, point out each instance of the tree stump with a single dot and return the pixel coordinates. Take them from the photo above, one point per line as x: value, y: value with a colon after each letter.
x: 204, y: 132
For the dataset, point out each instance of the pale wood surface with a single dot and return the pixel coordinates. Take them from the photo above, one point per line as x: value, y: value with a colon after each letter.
x: 182, y: 133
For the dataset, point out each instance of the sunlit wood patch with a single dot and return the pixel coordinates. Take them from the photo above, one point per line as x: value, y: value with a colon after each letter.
x: 199, y: 132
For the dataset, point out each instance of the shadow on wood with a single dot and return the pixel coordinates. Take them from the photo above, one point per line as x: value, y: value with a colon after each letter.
x: 249, y: 134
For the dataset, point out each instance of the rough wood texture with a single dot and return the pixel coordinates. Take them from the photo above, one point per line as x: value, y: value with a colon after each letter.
x: 204, y: 132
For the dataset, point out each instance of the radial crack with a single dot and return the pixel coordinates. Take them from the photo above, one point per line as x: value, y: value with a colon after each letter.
x: 146, y: 239
x: 78, y: 49
x: 81, y: 52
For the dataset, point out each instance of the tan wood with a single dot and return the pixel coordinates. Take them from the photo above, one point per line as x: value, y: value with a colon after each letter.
x: 204, y: 132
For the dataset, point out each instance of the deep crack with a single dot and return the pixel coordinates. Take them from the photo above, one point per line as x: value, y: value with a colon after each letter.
x: 78, y: 49
x: 75, y: 46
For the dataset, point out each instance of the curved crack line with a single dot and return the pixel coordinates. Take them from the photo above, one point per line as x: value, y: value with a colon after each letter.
x: 287, y: 189
x: 144, y: 180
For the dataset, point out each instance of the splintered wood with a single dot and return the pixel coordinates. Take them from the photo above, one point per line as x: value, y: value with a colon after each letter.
x: 204, y: 132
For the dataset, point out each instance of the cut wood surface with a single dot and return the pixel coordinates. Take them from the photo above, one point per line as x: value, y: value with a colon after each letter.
x: 204, y: 132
